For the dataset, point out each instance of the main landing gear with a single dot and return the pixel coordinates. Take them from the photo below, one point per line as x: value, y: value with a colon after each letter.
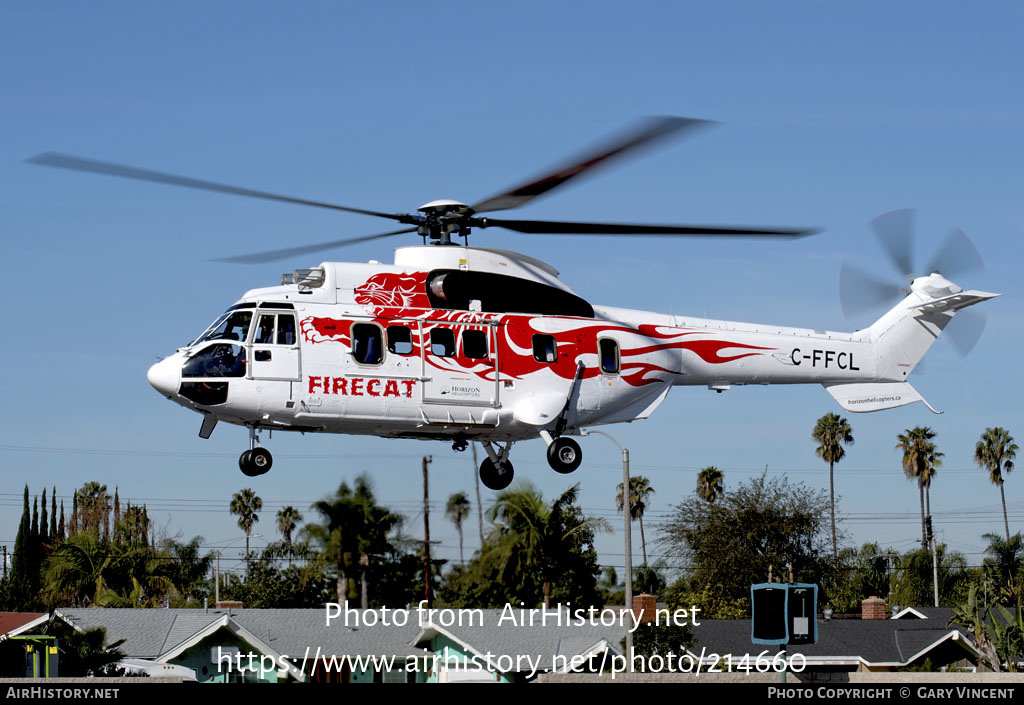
x: 257, y: 460
x: 496, y: 472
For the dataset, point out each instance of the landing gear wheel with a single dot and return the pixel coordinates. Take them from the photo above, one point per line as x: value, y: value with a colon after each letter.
x: 255, y: 462
x: 496, y: 478
x: 564, y: 455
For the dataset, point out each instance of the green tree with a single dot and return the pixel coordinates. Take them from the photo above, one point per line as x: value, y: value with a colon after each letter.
x: 709, y: 484
x: 729, y: 545
x: 246, y: 506
x: 640, y: 492
x: 920, y: 460
x: 86, y: 570
x: 456, y: 511
x: 186, y: 568
x: 913, y: 579
x: 832, y: 432
x: 354, y: 534
x: 996, y: 452
x: 534, y: 553
x: 1004, y: 563
x: 296, y: 585
x: 287, y: 519
x: 92, y: 503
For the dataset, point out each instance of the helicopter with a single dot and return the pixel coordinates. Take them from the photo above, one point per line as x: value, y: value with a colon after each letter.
x: 477, y: 344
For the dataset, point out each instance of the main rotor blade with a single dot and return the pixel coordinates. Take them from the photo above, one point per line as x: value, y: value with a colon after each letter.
x: 965, y: 330
x: 957, y: 256
x: 895, y: 232
x: 860, y: 292
x: 646, y: 135
x: 553, y: 227
x: 64, y: 161
x: 273, y: 255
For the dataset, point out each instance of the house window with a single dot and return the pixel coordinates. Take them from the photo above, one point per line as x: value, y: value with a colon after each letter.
x: 367, y: 344
x: 544, y: 349
x: 474, y: 344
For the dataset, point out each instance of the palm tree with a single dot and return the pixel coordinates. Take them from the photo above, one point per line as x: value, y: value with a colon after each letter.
x: 533, y: 539
x: 709, y: 484
x: 920, y: 460
x: 245, y: 505
x: 93, y: 502
x: 1005, y: 559
x: 996, y: 452
x: 640, y: 492
x: 456, y: 512
x: 831, y: 432
x: 354, y: 529
x: 287, y: 519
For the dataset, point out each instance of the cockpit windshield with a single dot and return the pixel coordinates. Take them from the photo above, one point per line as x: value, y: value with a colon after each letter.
x: 231, y: 325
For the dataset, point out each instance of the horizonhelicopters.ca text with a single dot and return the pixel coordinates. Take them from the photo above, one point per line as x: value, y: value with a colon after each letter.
x: 360, y: 387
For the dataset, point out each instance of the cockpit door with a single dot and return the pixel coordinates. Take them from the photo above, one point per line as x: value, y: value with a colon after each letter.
x: 274, y: 351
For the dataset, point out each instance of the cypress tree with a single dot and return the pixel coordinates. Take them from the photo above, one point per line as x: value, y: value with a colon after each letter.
x: 44, y: 523
x: 117, y: 516
x: 34, y: 536
x: 61, y: 530
x: 53, y: 514
x: 20, y: 559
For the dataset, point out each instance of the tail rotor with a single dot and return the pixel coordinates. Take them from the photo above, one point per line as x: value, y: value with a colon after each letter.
x: 862, y: 292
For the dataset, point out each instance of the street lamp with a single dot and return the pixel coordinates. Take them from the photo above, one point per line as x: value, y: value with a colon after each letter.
x: 627, y: 520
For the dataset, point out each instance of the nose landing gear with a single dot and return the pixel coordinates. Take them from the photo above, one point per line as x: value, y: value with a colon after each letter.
x: 257, y: 460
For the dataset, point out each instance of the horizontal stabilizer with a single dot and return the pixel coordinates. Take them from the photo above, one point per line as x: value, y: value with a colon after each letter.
x: 955, y: 302
x: 875, y: 396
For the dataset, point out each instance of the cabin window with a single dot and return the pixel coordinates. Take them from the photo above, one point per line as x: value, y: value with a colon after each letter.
x: 609, y: 354
x: 205, y: 393
x: 286, y: 329
x: 544, y: 349
x: 233, y: 325
x: 216, y: 361
x: 442, y: 342
x: 264, y: 330
x: 474, y: 344
x: 400, y: 340
x: 367, y: 344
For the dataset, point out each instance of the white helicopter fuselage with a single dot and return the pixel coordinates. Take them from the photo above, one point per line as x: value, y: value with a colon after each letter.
x: 463, y: 343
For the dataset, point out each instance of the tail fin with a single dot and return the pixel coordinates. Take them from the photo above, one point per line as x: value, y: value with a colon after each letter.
x: 903, y: 335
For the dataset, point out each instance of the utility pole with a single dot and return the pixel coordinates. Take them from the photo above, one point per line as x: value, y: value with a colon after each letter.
x: 935, y: 560
x: 427, y: 459
x: 479, y: 506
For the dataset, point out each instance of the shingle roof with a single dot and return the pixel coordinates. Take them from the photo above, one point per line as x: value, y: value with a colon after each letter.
x: 874, y: 641
x: 10, y: 621
x: 150, y: 633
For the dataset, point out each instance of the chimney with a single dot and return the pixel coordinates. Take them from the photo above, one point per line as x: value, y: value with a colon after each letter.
x: 228, y: 605
x: 873, y: 608
x: 646, y: 607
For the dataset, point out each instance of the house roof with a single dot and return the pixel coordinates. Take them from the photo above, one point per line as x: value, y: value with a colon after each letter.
x: 882, y: 642
x: 162, y: 634
x: 499, y: 636
x: 12, y: 623
x: 153, y: 633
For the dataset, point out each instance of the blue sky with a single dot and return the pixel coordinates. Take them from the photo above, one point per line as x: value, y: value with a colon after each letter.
x: 831, y: 113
